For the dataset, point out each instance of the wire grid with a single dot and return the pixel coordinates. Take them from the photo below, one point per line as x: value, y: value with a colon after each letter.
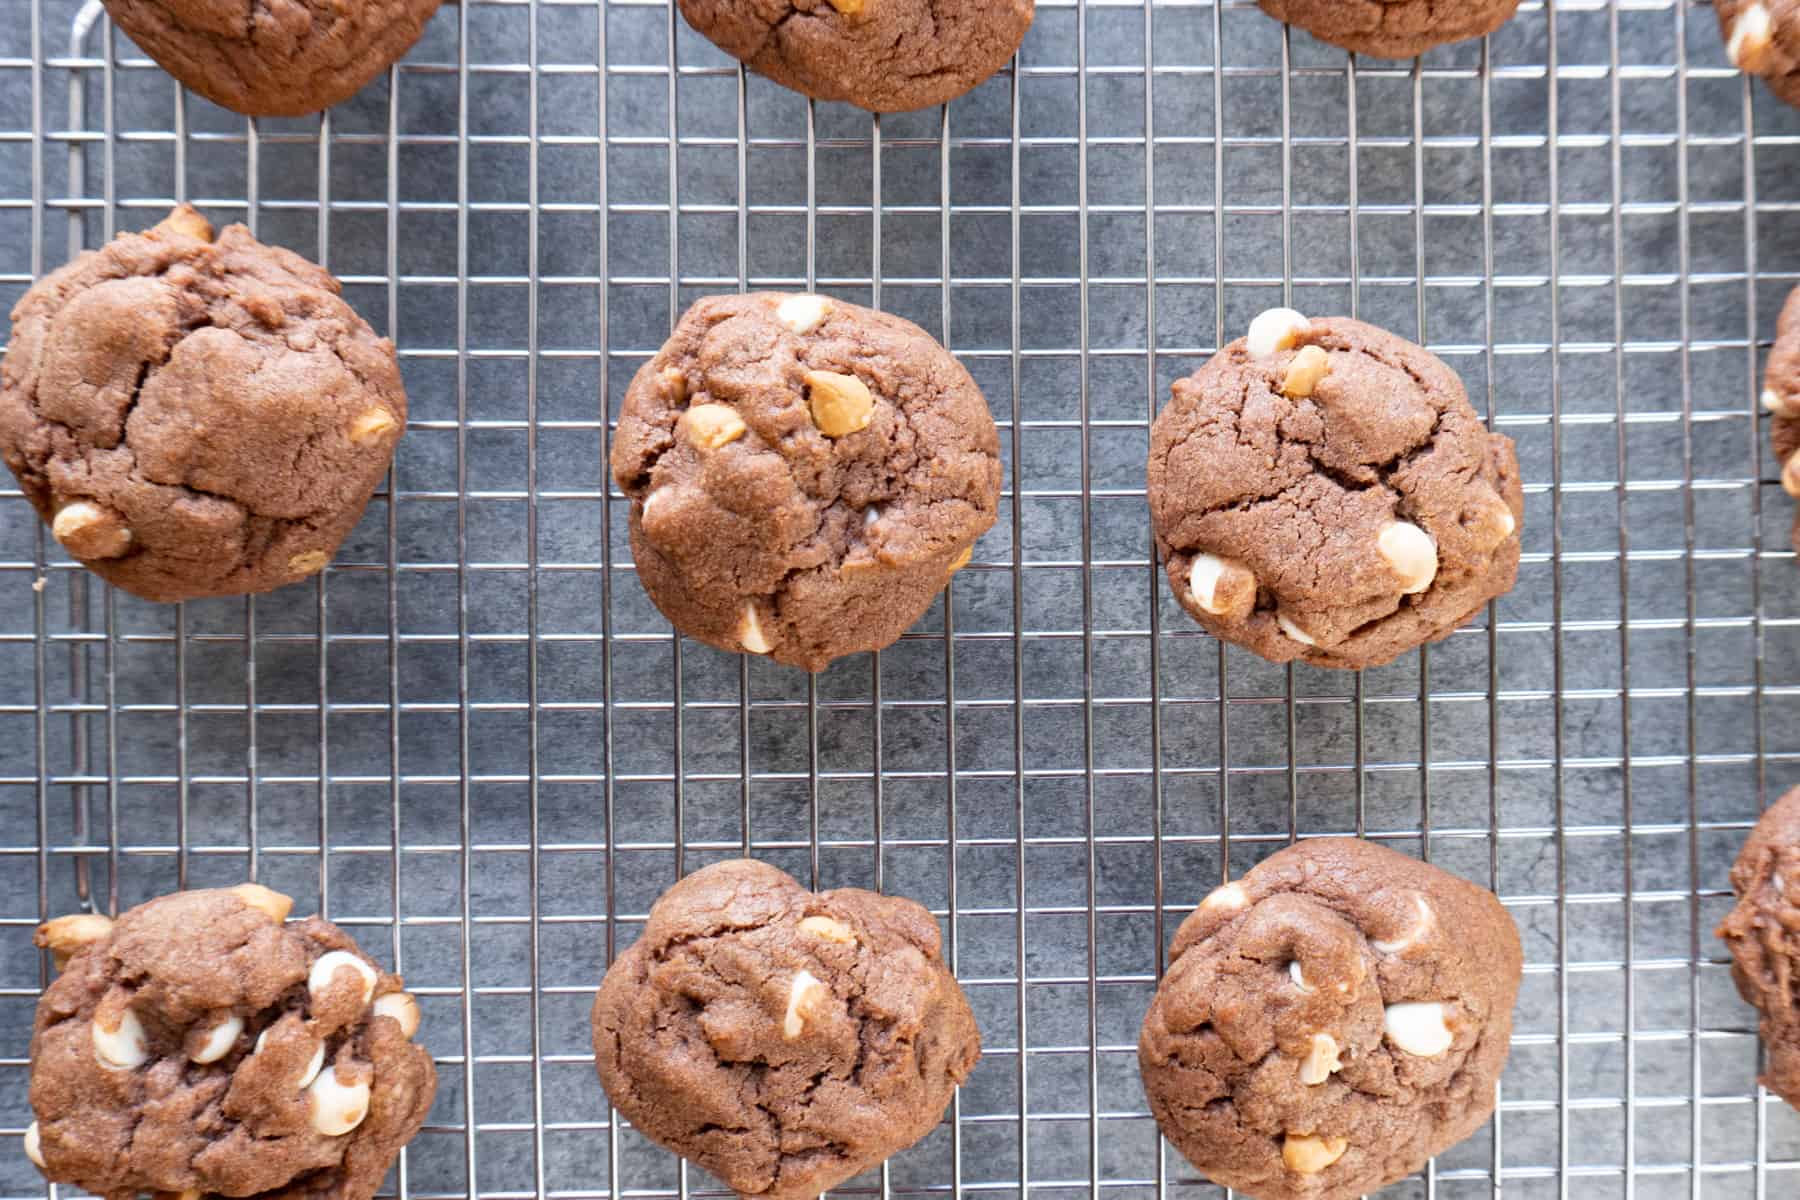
x: 473, y: 742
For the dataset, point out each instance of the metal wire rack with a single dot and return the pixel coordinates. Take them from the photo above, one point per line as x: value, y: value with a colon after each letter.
x: 473, y: 741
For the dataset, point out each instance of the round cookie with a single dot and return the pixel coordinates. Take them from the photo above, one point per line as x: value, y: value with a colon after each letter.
x: 1763, y: 934
x: 1322, y: 490
x: 1762, y: 37
x: 1330, y: 1021
x: 274, y: 58
x: 783, y: 1040
x: 882, y: 55
x: 1392, y: 28
x: 197, y: 416
x: 1781, y: 397
x: 200, y: 1046
x: 805, y: 475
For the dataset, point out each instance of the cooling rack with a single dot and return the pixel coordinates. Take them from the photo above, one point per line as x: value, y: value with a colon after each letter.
x: 473, y: 741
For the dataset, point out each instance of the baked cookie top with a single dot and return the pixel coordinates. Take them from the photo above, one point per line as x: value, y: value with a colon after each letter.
x: 197, y: 416
x: 1763, y: 935
x: 1762, y: 38
x: 882, y: 55
x: 805, y: 474
x: 1322, y: 490
x: 781, y: 1039
x: 199, y: 1045
x: 1330, y: 1021
x: 1781, y: 397
x: 274, y: 58
x: 1393, y: 28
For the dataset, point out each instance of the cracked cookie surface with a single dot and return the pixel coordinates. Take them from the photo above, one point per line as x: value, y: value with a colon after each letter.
x: 781, y: 1039
x: 805, y: 474
x: 1330, y: 1021
x: 200, y: 1045
x: 1763, y: 934
x: 881, y: 55
x: 274, y: 58
x: 1392, y: 28
x: 1781, y: 397
x: 1762, y: 38
x: 197, y: 416
x: 1322, y: 490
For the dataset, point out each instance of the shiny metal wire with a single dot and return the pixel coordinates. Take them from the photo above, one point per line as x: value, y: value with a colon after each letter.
x: 474, y: 743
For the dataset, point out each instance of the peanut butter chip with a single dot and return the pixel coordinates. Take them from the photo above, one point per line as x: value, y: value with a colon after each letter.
x: 1303, y: 374
x: 267, y: 901
x: 309, y: 563
x: 67, y: 936
x: 841, y: 404
x: 1321, y: 1060
x: 90, y: 530
x: 186, y: 221
x: 1307, y: 1154
x: 1790, y: 476
x: 1751, y: 36
x: 371, y: 424
x: 710, y: 426
x: 674, y: 381
x: 962, y: 560
x: 850, y: 8
x: 829, y: 928
x: 750, y: 632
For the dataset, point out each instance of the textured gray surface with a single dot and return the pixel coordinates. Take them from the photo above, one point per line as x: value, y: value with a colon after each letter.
x: 466, y: 781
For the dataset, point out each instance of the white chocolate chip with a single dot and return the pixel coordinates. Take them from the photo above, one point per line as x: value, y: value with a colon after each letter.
x: 871, y: 515
x: 750, y: 632
x: 1411, y: 553
x: 1780, y: 405
x: 1321, y: 1061
x: 1414, y: 934
x: 1306, y: 1154
x: 1294, y: 631
x: 1299, y: 977
x: 67, y: 936
x: 1418, y: 1027
x: 312, y: 1067
x: 1221, y: 586
x: 1274, y: 331
x: 803, y: 992
x: 402, y: 1008
x: 828, y: 928
x: 219, y: 1039
x: 1750, y: 38
x: 324, y: 973
x: 1790, y: 476
x: 267, y: 901
x: 1230, y: 896
x: 372, y: 423
x: 89, y: 530
x: 1507, y: 522
x: 337, y: 1108
x: 34, y: 1145
x: 123, y: 1047
x: 802, y: 313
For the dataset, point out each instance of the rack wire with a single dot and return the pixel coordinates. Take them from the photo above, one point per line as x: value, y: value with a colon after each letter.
x: 473, y: 742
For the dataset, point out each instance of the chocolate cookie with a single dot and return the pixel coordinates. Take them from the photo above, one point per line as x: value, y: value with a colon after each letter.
x: 781, y: 1039
x: 1392, y: 28
x: 274, y: 58
x: 1330, y: 1021
x: 200, y: 1046
x: 1762, y: 37
x: 1781, y: 396
x: 197, y: 417
x: 882, y: 55
x: 1763, y: 934
x: 1322, y: 490
x: 805, y: 474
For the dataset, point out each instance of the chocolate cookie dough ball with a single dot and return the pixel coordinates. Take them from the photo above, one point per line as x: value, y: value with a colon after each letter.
x: 1763, y: 934
x: 1781, y: 396
x: 200, y: 1046
x: 783, y: 1040
x: 197, y: 416
x: 1392, y: 28
x: 805, y: 475
x: 274, y: 58
x: 882, y: 55
x: 1322, y: 490
x: 1762, y: 38
x: 1330, y: 1021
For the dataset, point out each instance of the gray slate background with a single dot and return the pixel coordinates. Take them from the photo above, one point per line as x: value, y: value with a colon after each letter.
x: 467, y: 781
